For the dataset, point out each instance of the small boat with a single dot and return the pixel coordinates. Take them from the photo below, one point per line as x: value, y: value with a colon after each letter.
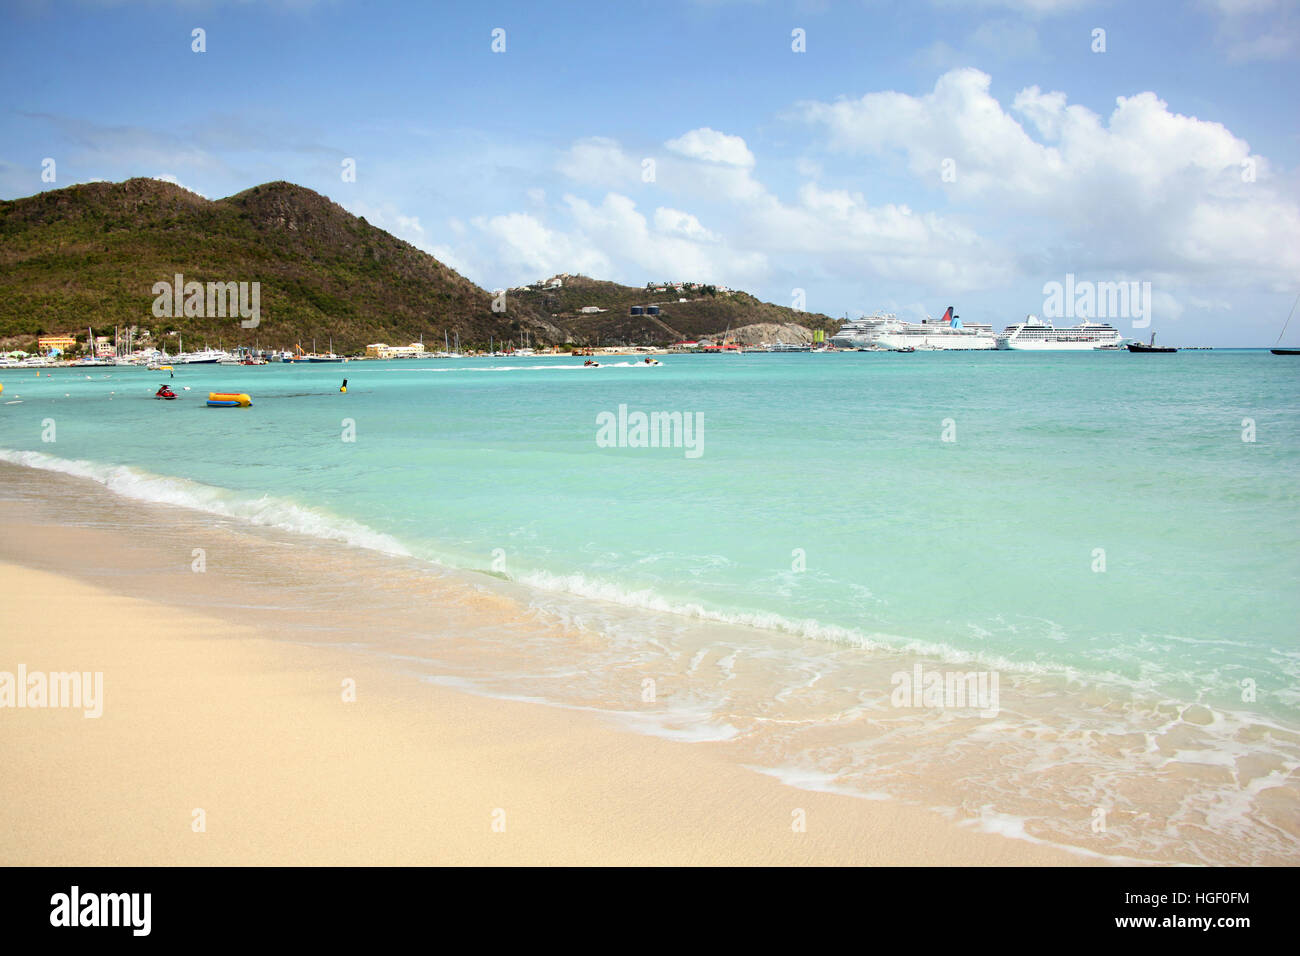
x: 1151, y: 347
x: 1281, y: 351
x: 905, y: 348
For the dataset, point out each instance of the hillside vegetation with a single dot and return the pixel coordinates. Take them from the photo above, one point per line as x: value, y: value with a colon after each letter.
x: 708, y: 313
x: 89, y: 255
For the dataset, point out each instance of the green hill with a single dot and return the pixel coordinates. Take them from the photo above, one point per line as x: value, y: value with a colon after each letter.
x: 706, y: 311
x: 89, y: 255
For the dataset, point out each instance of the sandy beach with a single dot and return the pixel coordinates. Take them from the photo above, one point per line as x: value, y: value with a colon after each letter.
x: 204, y: 714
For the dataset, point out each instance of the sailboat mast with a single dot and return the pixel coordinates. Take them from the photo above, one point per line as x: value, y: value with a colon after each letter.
x: 1288, y: 320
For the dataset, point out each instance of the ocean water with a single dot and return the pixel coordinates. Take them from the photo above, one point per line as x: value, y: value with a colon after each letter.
x: 1093, y: 529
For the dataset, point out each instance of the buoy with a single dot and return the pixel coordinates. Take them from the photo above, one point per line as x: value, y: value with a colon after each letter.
x: 229, y: 400
x: 344, y: 386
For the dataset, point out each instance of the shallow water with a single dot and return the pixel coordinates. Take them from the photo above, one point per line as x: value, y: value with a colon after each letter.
x: 825, y: 541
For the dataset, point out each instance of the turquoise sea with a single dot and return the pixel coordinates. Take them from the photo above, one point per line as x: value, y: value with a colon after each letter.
x: 1115, y: 535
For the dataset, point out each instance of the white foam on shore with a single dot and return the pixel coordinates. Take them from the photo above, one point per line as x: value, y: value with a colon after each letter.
x: 1013, y: 827
x: 818, y: 781
x: 265, y: 510
x: 648, y: 600
x: 684, y: 724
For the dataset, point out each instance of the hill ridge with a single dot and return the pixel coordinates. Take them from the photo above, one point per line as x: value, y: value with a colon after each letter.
x: 89, y: 255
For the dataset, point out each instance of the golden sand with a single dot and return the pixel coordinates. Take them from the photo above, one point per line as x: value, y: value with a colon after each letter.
x: 219, y: 723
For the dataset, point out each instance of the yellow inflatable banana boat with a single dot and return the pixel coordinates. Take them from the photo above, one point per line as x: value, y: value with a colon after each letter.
x: 229, y: 400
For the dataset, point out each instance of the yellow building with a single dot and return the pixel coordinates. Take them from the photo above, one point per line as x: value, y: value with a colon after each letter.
x: 63, y: 343
x: 381, y: 351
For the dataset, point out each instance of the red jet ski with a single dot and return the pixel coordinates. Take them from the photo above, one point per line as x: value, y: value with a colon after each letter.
x: 164, y: 392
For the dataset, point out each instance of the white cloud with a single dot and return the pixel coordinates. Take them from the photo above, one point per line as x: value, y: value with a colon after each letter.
x: 710, y: 146
x: 1267, y: 46
x: 1036, y: 8
x: 676, y: 222
x: 528, y: 249
x: 1256, y: 30
x: 617, y: 226
x: 1146, y: 186
x: 600, y: 162
x: 844, y: 234
x: 836, y: 230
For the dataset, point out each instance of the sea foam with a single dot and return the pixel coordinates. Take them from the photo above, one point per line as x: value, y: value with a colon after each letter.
x: 262, y: 510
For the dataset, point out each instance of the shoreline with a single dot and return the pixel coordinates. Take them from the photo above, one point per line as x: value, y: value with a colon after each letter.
x: 428, y: 632
x: 212, y: 702
x: 202, y: 714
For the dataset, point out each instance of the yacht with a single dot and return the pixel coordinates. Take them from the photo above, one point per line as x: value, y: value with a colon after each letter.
x: 1035, y: 335
x: 205, y: 357
x: 885, y: 330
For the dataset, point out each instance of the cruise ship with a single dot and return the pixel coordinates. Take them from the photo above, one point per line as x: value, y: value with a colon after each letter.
x: 1035, y: 335
x: 884, y: 330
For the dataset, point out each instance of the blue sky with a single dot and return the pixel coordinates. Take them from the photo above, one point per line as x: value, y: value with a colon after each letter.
x: 914, y: 155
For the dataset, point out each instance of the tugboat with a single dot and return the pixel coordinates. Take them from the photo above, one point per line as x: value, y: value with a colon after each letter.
x: 1152, y: 347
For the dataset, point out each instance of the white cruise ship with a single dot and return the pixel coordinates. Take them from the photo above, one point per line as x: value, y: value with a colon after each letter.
x: 884, y: 330
x: 1035, y: 335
